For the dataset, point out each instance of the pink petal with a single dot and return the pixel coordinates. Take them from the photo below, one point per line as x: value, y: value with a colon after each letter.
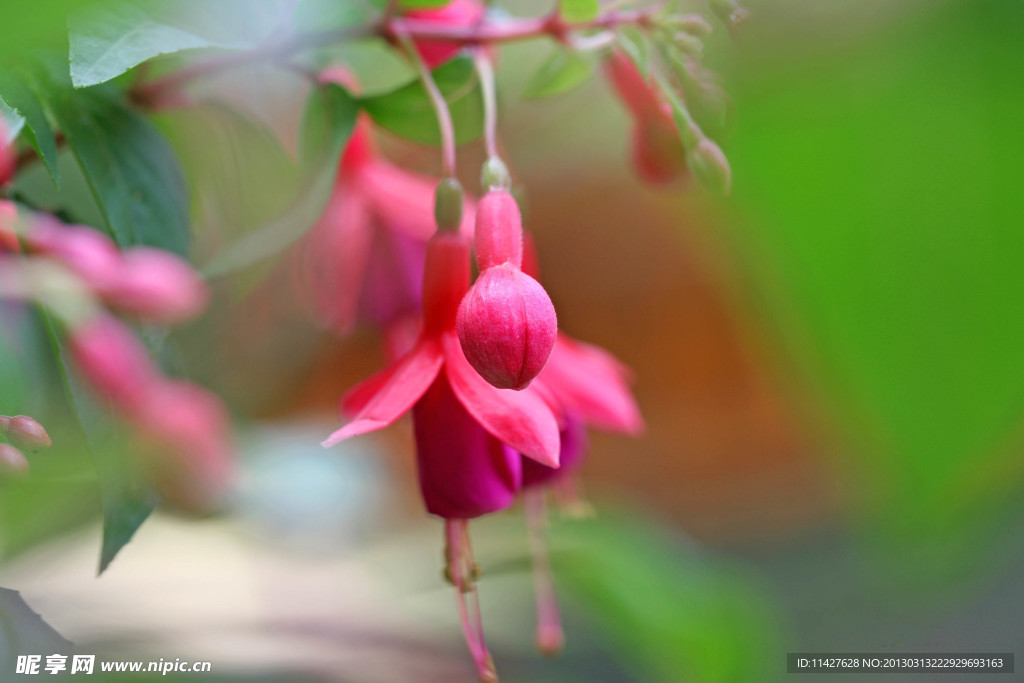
x: 383, y: 398
x: 464, y: 472
x: 519, y: 419
x: 593, y: 383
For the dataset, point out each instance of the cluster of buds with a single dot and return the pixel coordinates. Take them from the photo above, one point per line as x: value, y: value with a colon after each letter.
x: 79, y: 274
x: 20, y: 433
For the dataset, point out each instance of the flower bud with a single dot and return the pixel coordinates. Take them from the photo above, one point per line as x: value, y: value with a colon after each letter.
x: 507, y: 327
x: 12, y: 462
x: 448, y: 203
x: 156, y: 285
x: 25, y: 433
x: 711, y: 168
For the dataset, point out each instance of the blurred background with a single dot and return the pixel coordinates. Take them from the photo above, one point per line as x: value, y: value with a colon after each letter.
x: 830, y: 363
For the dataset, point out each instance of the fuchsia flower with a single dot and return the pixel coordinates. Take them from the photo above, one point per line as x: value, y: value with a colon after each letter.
x: 658, y: 153
x: 455, y: 13
x: 364, y: 257
x: 183, y: 427
x: 467, y: 431
x: 507, y: 323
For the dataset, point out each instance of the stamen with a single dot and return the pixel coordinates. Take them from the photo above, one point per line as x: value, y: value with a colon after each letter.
x: 550, y: 638
x: 459, y: 558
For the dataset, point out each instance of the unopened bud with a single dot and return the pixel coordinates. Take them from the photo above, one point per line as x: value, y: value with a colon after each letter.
x: 494, y: 175
x: 12, y: 462
x: 507, y: 326
x: 710, y: 167
x: 25, y: 433
x: 448, y: 203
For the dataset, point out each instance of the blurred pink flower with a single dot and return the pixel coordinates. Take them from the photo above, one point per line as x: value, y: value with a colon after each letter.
x: 455, y: 13
x: 658, y: 153
x: 150, y: 283
x: 364, y: 258
x: 156, y: 285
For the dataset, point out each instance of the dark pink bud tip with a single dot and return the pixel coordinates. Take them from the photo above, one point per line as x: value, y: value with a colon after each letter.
x: 25, y: 433
x: 507, y: 327
x: 12, y: 462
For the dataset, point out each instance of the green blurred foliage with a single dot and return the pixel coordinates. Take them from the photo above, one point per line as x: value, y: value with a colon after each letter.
x: 670, y: 612
x: 877, y: 161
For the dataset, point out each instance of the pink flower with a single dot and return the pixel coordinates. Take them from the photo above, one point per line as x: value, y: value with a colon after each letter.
x: 364, y: 257
x: 658, y: 153
x: 455, y: 13
x: 520, y: 420
x: 507, y: 323
x: 467, y: 431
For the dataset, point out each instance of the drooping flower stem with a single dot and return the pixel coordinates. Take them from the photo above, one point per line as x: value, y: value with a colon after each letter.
x: 444, y: 116
x: 485, y: 71
x: 462, y: 571
x: 550, y: 638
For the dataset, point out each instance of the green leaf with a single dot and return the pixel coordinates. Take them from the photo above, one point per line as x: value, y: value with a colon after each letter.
x: 636, y: 46
x: 127, y: 501
x: 109, y: 39
x: 408, y: 112
x: 881, y: 220
x: 131, y: 169
x: 17, y: 93
x: 578, y: 11
x: 328, y: 121
x: 561, y: 72
x: 12, y: 122
x: 675, y: 615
